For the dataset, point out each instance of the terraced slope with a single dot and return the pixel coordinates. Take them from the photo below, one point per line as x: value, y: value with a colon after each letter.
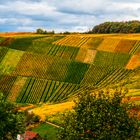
x: 50, y: 68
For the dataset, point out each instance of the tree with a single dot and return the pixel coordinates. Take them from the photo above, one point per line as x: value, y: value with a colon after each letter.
x: 99, y: 117
x: 51, y: 32
x: 11, y: 121
x: 40, y: 31
x: 66, y: 32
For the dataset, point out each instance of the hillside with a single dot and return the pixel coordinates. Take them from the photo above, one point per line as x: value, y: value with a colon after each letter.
x: 52, y: 68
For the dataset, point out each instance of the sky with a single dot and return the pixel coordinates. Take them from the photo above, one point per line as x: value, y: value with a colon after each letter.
x: 64, y: 15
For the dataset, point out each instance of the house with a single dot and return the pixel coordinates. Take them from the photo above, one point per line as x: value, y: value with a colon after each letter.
x: 29, y: 135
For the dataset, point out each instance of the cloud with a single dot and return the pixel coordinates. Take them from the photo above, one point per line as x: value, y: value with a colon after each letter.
x: 70, y: 15
x: 15, y: 21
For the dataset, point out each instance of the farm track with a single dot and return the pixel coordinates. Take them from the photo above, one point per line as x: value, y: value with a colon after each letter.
x: 52, y: 124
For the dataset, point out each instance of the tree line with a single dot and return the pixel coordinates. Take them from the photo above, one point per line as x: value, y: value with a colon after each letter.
x: 42, y: 31
x: 117, y: 27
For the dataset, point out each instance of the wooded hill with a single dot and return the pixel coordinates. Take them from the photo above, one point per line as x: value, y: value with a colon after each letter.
x: 117, y: 27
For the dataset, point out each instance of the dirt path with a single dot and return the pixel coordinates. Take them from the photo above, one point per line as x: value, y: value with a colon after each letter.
x: 57, y: 126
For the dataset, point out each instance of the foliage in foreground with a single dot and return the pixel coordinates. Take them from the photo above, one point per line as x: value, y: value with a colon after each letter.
x: 11, y: 121
x: 101, y: 117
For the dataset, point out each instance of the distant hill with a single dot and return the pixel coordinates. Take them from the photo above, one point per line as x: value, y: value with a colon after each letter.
x: 117, y: 27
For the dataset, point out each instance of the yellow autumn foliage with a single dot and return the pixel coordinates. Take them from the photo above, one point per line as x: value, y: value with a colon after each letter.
x: 49, y: 109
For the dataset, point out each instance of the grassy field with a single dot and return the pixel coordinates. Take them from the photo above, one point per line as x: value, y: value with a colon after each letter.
x: 46, y: 131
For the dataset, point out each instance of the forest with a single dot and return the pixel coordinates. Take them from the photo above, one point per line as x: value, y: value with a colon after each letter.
x: 116, y: 27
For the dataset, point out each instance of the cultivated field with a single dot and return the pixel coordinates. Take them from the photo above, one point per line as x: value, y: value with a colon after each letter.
x: 53, y: 68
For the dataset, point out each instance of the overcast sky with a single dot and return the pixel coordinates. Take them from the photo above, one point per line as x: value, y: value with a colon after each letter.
x: 64, y: 15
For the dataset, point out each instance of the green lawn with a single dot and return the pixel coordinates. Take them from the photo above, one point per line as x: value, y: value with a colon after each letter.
x: 46, y: 129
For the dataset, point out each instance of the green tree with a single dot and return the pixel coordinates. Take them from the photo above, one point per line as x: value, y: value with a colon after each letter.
x: 99, y: 117
x: 40, y: 31
x: 11, y: 121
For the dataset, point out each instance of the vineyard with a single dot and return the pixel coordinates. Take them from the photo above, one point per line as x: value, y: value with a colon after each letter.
x: 35, y: 90
x: 119, y: 45
x: 81, y: 41
x: 113, y: 59
x: 109, y: 45
x: 86, y: 55
x: 19, y: 43
x: 101, y: 76
x: 3, y: 52
x: 134, y: 62
x: 10, y: 60
x: 53, y: 68
x: 72, y: 41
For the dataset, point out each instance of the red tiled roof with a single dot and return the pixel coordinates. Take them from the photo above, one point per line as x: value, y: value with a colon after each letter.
x: 30, y: 135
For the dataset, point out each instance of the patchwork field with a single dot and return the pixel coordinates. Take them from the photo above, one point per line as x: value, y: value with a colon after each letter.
x: 53, y: 68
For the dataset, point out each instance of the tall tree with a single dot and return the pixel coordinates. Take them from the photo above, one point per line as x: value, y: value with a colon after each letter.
x: 40, y: 31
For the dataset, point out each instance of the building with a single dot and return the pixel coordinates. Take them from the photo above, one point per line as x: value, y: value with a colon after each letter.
x: 29, y: 135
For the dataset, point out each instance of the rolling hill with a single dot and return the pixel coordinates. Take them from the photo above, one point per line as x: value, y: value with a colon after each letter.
x: 52, y: 68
